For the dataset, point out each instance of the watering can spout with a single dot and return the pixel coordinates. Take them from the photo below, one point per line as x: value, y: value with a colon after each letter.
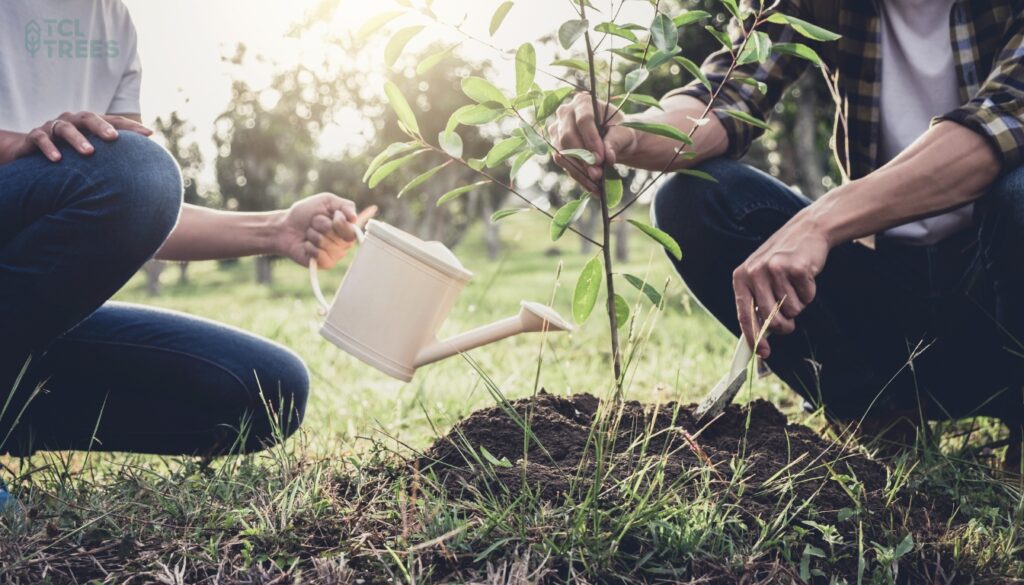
x: 532, y: 317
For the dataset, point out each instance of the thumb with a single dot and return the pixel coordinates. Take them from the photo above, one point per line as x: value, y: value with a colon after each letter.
x: 617, y: 141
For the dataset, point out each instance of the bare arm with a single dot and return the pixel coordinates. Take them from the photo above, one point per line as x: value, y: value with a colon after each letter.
x: 949, y: 166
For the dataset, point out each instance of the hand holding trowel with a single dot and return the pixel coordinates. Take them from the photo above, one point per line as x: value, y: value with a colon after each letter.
x: 726, y: 389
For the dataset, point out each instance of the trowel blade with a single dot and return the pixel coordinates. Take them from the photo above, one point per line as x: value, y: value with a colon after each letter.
x: 720, y: 397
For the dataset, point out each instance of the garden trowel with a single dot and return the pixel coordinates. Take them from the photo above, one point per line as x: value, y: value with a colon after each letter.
x: 726, y: 389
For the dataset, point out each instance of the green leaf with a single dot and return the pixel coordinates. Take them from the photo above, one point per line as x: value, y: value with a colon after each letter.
x: 643, y: 286
x: 798, y: 50
x: 391, y: 166
x: 503, y: 213
x: 588, y: 285
x: 518, y: 163
x: 581, y: 154
x: 745, y: 117
x: 643, y: 100
x: 432, y: 60
x: 612, y: 191
x: 660, y: 57
x: 422, y: 178
x: 460, y: 191
x: 621, y: 310
x: 475, y: 115
x: 690, y: 17
x: 552, y: 99
x: 571, y: 31
x: 374, y: 23
x: 503, y: 462
x: 664, y: 33
x: 393, y: 149
x: 482, y: 91
x: 660, y: 130
x: 720, y: 36
x: 756, y: 49
x: 731, y: 6
x: 567, y: 215
x: 698, y: 174
x: 526, y: 68
x: 905, y: 546
x: 499, y: 16
x: 694, y: 70
x: 659, y: 236
x: 401, y: 107
x: 536, y: 141
x: 811, y: 31
x: 760, y: 85
x: 578, y: 64
x: 503, y: 150
x: 397, y: 43
x: 451, y: 143
x: 636, y: 78
x: 615, y: 30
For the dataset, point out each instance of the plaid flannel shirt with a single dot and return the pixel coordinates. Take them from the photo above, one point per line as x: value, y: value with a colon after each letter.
x: 988, y: 47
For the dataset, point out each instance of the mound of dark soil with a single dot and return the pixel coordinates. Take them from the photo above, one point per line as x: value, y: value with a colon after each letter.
x: 750, y: 458
x: 560, y: 458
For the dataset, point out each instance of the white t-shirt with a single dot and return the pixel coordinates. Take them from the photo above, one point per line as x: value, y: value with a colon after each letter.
x: 919, y: 82
x: 66, y: 56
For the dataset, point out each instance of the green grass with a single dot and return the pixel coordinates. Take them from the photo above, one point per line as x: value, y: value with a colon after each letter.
x: 335, y: 503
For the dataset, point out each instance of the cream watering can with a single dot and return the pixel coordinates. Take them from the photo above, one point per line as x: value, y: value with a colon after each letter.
x: 397, y: 294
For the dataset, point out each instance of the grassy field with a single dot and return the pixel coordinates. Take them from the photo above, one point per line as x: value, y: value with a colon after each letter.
x: 337, y: 504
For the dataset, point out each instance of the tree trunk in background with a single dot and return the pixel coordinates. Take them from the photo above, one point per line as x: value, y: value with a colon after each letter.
x: 492, y: 230
x: 153, y: 270
x: 621, y: 241
x: 182, y: 273
x: 264, y: 272
x: 810, y: 163
x: 587, y: 226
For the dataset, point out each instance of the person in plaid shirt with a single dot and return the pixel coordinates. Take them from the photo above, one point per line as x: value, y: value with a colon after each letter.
x: 930, y: 133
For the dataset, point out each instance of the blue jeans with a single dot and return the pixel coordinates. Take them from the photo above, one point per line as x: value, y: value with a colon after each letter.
x: 936, y: 329
x: 111, y: 376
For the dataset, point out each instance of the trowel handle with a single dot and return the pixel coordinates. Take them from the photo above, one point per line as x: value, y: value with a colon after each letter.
x: 314, y: 277
x: 740, y: 358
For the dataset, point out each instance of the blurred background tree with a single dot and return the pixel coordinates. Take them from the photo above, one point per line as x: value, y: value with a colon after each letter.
x: 278, y: 142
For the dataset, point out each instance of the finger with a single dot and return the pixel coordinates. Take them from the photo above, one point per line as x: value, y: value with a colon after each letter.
x: 97, y: 126
x: 586, y: 125
x: 321, y: 223
x: 41, y: 140
x: 72, y: 136
x: 123, y: 123
x: 806, y: 288
x: 366, y: 215
x: 745, y: 313
x: 343, y: 228
x: 574, y: 170
x: 323, y: 260
x: 784, y: 291
x: 765, y: 304
x: 616, y: 141
x: 568, y: 135
x: 314, y: 237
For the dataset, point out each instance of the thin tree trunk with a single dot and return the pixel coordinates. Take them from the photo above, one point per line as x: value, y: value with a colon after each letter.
x: 492, y: 233
x: 587, y: 226
x: 621, y: 241
x: 182, y: 273
x: 264, y: 272
x: 153, y: 270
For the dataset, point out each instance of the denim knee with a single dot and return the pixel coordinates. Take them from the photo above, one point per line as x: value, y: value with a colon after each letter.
x: 136, y: 188
x: 1000, y: 218
x: 282, y: 385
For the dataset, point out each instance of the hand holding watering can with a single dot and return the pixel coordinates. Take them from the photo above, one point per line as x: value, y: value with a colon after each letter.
x: 396, y: 295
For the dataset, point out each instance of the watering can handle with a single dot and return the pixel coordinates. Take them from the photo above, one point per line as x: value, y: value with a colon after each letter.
x: 314, y: 277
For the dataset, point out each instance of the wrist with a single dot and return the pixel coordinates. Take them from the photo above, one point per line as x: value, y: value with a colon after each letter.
x: 270, y: 229
x: 817, y: 221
